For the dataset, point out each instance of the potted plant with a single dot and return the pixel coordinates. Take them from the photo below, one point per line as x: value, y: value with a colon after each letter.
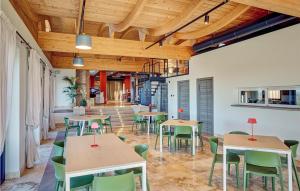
x: 83, y: 101
x: 72, y: 89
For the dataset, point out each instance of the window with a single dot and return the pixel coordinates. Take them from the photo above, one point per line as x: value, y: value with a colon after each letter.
x: 286, y: 96
x: 252, y: 96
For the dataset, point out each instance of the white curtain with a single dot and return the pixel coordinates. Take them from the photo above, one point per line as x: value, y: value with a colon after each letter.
x: 7, y: 61
x: 34, y: 101
x: 52, y: 101
x: 46, y: 103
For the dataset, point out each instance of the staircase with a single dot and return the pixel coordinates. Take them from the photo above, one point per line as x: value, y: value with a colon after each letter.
x: 121, y: 116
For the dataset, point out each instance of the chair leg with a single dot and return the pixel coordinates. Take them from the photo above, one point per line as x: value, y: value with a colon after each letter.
x: 273, y: 183
x: 56, y: 185
x: 245, y: 180
x: 211, y: 172
x: 132, y: 126
x: 156, y: 141
x: 296, y: 173
x: 281, y: 179
x: 237, y: 175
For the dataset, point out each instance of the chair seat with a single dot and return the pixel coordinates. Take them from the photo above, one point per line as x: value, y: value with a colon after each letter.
x: 77, y: 182
x: 183, y: 136
x: 231, y: 158
x: 261, y: 169
x: 74, y: 126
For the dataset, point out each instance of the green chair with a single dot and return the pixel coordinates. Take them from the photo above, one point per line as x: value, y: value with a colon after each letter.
x: 199, y: 133
x: 142, y: 150
x: 238, y: 152
x: 124, y: 182
x: 107, y: 123
x: 75, y: 183
x: 182, y: 133
x: 138, y: 121
x: 159, y: 119
x: 218, y: 158
x: 100, y: 124
x: 68, y: 127
x: 122, y: 138
x: 263, y: 164
x: 58, y: 148
x: 293, y: 145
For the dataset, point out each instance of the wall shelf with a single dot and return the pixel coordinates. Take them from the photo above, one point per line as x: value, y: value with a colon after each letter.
x: 266, y: 107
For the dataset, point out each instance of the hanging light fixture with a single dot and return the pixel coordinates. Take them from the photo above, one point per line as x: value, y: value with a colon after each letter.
x: 160, y: 43
x: 206, y: 19
x: 77, y: 61
x: 83, y: 41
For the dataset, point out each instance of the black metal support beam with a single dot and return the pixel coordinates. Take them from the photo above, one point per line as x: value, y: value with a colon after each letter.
x: 187, y: 24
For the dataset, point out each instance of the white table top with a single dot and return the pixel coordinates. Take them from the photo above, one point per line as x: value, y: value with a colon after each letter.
x: 180, y: 122
x: 147, y: 113
x: 112, y: 152
x: 87, y: 117
x: 262, y: 142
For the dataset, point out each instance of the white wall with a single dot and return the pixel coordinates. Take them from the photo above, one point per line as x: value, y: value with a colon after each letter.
x: 61, y: 100
x: 269, y: 60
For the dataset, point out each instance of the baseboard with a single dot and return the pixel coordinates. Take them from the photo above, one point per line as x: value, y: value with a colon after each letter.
x: 11, y: 175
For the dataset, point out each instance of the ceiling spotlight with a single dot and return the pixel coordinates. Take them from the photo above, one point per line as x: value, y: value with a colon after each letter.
x: 160, y: 43
x: 78, y: 61
x: 83, y: 42
x: 206, y: 19
x: 221, y: 44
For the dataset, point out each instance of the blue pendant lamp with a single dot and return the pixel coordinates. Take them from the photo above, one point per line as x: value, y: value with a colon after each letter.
x: 83, y: 41
x: 78, y: 61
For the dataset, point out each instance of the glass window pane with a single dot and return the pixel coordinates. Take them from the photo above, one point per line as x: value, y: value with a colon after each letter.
x: 252, y: 96
x: 284, y: 96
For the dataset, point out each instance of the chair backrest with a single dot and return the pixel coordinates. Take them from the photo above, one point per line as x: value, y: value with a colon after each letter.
x: 58, y: 148
x: 108, y: 120
x: 124, y: 182
x: 214, y: 143
x: 293, y: 145
x: 137, y: 118
x: 142, y: 150
x: 183, y: 130
x: 98, y: 121
x: 160, y: 118
x: 122, y: 138
x: 265, y: 159
x: 239, y: 132
x: 59, y: 167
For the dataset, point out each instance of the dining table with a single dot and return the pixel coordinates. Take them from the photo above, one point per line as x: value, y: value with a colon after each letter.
x: 179, y: 122
x: 263, y: 143
x: 149, y: 115
x: 110, y: 155
x: 81, y: 119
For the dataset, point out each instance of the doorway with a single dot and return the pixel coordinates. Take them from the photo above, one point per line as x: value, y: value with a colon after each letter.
x: 205, y: 109
x: 183, y: 89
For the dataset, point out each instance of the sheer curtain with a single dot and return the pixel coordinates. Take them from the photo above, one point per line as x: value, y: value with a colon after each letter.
x: 52, y: 101
x: 34, y: 101
x: 7, y: 60
x: 46, y: 103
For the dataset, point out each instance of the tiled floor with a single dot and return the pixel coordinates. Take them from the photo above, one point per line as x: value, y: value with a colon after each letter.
x: 168, y: 172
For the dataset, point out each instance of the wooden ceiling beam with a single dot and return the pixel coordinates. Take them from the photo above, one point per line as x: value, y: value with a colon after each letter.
x: 127, y: 22
x: 288, y: 7
x: 59, y: 42
x: 178, y: 20
x: 99, y: 64
x: 211, y: 28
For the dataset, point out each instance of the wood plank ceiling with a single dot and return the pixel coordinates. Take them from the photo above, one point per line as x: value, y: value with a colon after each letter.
x: 140, y: 20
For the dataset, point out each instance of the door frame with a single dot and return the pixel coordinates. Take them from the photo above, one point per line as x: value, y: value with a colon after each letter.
x: 181, y: 81
x: 213, y: 98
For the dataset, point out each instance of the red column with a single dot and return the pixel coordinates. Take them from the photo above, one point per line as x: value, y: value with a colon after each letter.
x: 103, y: 81
x: 127, y: 83
x: 92, y: 81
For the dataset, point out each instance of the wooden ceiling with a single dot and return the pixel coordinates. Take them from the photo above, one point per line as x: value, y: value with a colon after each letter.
x: 138, y: 22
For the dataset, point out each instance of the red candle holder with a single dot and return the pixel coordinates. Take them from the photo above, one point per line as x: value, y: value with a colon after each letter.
x: 94, y: 126
x: 252, y: 121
